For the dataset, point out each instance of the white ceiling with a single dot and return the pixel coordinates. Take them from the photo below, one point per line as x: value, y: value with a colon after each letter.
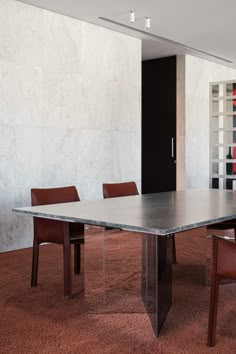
x: 205, y: 25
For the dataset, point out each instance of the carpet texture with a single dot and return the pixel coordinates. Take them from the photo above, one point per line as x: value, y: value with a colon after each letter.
x: 40, y: 320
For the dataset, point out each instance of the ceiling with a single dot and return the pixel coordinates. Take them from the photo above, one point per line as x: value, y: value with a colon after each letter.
x: 205, y: 28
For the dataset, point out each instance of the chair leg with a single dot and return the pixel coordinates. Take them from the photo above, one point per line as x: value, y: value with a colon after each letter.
x: 77, y: 258
x: 174, y: 261
x: 213, y: 312
x: 35, y: 261
x: 67, y: 262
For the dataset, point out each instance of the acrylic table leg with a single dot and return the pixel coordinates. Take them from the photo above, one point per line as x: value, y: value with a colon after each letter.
x: 157, y: 278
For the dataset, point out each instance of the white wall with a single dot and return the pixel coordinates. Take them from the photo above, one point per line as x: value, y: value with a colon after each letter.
x: 198, y: 74
x: 180, y: 123
x: 69, y: 110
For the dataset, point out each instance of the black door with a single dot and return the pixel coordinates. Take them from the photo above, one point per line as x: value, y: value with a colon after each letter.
x: 159, y: 125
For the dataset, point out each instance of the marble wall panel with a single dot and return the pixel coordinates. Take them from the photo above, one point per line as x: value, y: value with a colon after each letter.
x: 20, y: 94
x: 126, y: 156
x: 21, y: 33
x: 70, y: 98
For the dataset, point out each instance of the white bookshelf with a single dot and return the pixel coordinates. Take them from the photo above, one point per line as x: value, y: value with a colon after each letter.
x: 222, y: 134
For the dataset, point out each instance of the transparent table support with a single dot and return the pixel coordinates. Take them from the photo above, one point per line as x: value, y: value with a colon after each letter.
x: 128, y: 272
x: 113, y: 271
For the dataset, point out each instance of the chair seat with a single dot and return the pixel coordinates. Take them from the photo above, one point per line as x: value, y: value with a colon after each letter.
x: 230, y: 224
x: 76, y: 233
x: 77, y: 238
x: 221, y: 227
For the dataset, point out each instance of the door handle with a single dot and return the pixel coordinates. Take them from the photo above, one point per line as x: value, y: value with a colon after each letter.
x: 172, y: 147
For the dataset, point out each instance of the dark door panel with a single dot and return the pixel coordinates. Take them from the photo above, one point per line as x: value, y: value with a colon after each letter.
x: 159, y: 125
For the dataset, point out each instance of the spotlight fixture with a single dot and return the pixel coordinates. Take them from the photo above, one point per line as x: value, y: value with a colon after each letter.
x: 131, y: 17
x: 147, y: 22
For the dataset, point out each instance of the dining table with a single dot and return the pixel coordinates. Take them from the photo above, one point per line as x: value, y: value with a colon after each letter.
x: 157, y: 217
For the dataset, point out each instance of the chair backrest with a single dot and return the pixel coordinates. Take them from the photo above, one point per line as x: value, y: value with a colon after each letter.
x: 124, y: 189
x: 43, y: 196
x: 46, y: 230
x: 224, y: 255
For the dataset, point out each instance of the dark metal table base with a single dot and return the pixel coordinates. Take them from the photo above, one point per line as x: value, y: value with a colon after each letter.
x: 157, y: 278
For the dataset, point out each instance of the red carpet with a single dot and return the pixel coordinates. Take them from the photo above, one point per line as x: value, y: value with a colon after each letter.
x: 39, y: 320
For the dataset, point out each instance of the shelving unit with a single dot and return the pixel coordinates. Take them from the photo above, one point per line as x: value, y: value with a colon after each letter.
x: 222, y: 134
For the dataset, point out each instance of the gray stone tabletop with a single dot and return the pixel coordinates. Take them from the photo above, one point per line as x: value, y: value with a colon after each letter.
x: 160, y: 213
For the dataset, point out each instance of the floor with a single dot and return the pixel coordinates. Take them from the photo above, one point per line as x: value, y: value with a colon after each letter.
x: 40, y: 320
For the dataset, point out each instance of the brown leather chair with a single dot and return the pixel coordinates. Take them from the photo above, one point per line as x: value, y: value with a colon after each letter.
x: 55, y: 231
x: 223, y: 266
x: 124, y: 189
